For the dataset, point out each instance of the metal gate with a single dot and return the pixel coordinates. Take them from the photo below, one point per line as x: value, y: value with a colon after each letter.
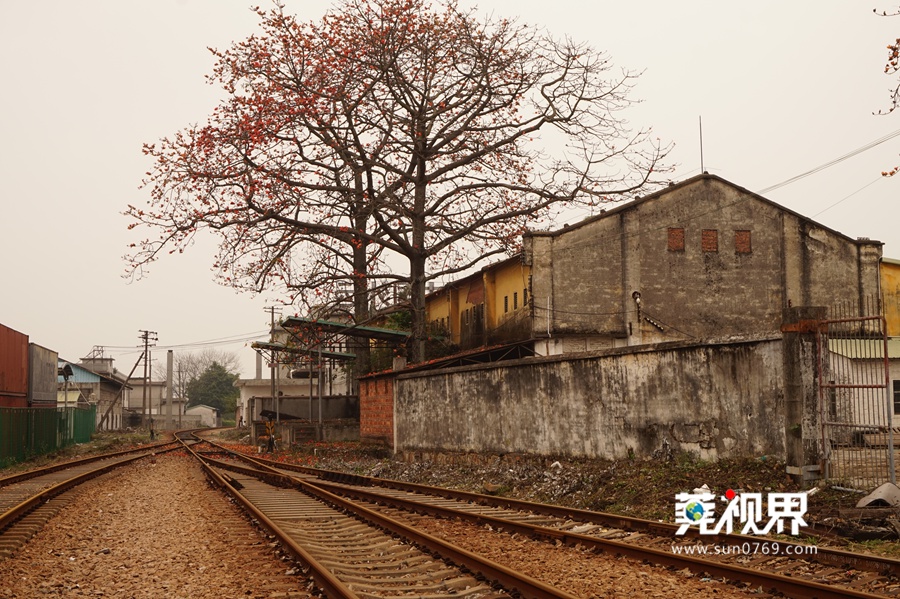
x: 855, y: 402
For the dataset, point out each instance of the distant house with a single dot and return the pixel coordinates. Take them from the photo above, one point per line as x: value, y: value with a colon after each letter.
x: 485, y: 308
x: 154, y: 403
x: 890, y: 289
x: 208, y: 415
x: 634, y: 315
x: 862, y: 357
x: 84, y: 385
x: 78, y: 388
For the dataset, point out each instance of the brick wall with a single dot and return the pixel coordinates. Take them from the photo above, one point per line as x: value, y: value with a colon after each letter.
x: 742, y: 243
x: 710, y: 240
x: 376, y: 409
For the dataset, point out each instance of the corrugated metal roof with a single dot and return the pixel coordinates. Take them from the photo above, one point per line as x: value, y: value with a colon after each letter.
x: 343, y: 328
x: 74, y: 397
x: 79, y: 374
x: 281, y: 348
x: 865, y: 349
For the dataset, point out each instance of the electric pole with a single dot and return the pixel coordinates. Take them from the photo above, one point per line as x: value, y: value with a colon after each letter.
x: 149, y: 338
x: 271, y: 310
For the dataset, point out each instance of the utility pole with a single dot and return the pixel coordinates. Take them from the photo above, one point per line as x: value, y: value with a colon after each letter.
x: 147, y: 337
x: 271, y: 310
x: 182, y: 395
x: 170, y: 389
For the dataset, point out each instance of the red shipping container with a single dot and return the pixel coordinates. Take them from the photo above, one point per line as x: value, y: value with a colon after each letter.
x: 13, y: 366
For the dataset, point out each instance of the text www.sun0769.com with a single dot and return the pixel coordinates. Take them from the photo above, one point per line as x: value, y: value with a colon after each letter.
x: 747, y: 548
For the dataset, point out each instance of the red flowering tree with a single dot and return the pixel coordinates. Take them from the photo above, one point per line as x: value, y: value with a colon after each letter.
x: 892, y: 68
x: 392, y: 128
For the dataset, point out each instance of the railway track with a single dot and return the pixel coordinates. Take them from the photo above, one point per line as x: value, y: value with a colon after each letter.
x: 774, y: 565
x: 353, y: 551
x: 29, y: 499
x: 365, y: 537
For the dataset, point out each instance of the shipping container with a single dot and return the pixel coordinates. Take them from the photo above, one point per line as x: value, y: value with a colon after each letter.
x: 42, y: 376
x: 13, y: 368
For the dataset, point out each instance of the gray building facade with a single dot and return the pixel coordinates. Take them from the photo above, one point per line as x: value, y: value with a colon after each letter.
x: 702, y: 258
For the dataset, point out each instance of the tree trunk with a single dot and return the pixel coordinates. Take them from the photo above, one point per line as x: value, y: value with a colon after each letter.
x: 360, y: 346
x: 416, y: 343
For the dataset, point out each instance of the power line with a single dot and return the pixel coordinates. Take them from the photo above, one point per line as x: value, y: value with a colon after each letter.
x: 880, y: 178
x: 830, y: 163
x: 239, y: 338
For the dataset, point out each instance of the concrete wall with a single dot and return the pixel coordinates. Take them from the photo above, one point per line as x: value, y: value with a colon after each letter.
x: 715, y: 400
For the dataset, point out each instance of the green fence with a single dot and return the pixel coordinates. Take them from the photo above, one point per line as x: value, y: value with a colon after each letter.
x: 28, y: 432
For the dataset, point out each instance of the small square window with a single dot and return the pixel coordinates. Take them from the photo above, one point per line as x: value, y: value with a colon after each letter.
x: 676, y: 240
x: 709, y: 240
x: 742, y: 243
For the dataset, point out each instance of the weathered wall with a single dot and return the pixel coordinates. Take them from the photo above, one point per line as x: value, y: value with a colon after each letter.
x: 716, y: 400
x: 890, y: 288
x: 708, y: 259
x: 13, y: 368
x: 42, y: 375
x: 484, y: 308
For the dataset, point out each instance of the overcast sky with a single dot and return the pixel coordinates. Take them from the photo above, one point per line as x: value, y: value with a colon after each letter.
x: 783, y: 88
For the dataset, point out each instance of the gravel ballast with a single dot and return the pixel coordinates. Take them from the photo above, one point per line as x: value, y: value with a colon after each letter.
x: 157, y: 529
x: 152, y: 530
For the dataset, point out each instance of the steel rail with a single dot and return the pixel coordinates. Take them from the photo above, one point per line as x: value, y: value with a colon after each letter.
x: 509, y: 578
x: 828, y: 555
x: 28, y: 474
x: 21, y: 509
x: 330, y: 584
x: 783, y: 583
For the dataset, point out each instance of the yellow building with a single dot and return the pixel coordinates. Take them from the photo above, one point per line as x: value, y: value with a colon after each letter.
x: 890, y: 290
x: 486, y: 308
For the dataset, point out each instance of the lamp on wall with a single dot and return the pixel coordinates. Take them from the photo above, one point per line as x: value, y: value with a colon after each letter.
x: 636, y: 296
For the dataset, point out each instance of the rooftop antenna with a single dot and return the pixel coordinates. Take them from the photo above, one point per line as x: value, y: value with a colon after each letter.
x: 702, y: 169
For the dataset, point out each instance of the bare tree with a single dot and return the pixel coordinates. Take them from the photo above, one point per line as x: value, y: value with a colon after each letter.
x: 188, y: 366
x: 393, y: 128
